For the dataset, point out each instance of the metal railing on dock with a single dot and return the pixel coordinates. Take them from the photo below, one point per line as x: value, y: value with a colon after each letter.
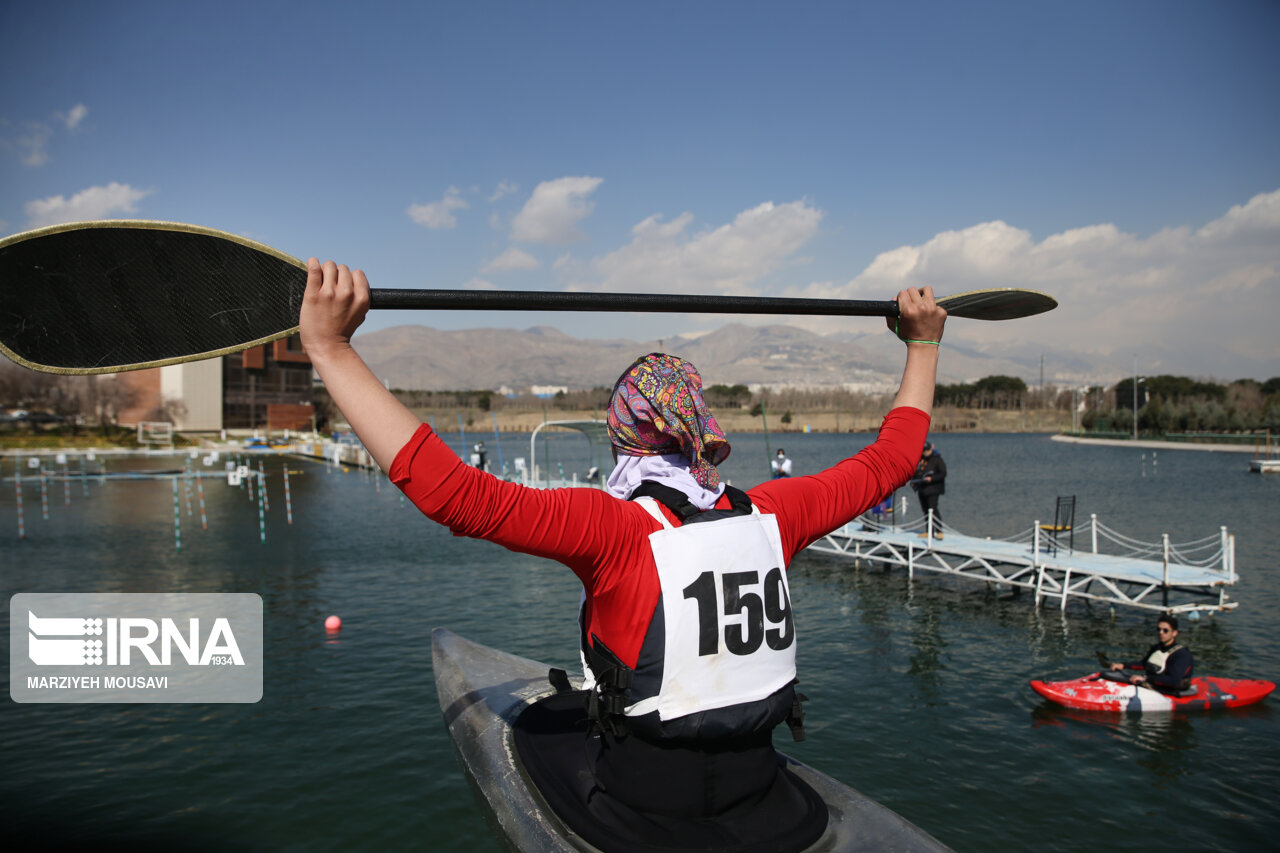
x: 354, y: 455
x: 1161, y: 576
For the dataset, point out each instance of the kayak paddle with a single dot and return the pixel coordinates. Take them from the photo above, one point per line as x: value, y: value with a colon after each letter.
x: 116, y: 295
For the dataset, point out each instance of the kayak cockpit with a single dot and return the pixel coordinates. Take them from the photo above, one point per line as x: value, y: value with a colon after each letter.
x: 628, y: 795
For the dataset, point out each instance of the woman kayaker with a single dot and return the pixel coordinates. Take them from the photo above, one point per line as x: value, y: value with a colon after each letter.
x: 687, y: 628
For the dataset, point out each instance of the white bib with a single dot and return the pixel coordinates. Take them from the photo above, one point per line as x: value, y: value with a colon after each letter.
x: 730, y: 636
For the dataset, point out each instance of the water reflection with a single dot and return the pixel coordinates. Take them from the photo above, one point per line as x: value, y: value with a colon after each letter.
x: 929, y: 644
x: 1163, y: 744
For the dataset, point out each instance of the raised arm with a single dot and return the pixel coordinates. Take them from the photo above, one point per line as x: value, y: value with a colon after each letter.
x: 333, y: 307
x: 810, y: 507
x: 919, y: 325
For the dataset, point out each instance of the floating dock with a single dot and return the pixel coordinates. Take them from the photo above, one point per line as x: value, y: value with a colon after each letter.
x: 1161, y: 576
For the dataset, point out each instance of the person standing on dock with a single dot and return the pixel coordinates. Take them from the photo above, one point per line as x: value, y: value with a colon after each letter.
x: 479, y: 456
x: 1166, y: 666
x: 686, y: 624
x: 930, y: 484
x: 781, y: 465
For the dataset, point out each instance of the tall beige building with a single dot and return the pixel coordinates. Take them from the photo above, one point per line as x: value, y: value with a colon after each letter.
x: 265, y: 387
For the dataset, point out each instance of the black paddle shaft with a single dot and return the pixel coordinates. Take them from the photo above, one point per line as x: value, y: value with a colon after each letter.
x: 524, y: 300
x: 101, y: 297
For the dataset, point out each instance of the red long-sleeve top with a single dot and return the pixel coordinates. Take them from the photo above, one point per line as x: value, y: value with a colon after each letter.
x: 605, y: 541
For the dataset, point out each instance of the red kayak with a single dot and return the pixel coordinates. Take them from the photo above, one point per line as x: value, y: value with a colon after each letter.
x: 1098, y: 693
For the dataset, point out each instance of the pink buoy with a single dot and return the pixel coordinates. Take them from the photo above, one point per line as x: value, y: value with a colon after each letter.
x: 333, y: 624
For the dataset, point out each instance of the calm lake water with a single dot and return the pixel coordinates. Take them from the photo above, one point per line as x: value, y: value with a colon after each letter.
x: 919, y: 689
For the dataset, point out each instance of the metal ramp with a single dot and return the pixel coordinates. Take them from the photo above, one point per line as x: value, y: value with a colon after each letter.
x: 1163, y: 576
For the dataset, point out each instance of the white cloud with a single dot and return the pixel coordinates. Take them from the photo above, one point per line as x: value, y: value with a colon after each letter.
x: 75, y: 116
x: 92, y: 203
x: 1257, y: 220
x: 731, y: 258
x: 552, y: 213
x: 1179, y: 289
x: 439, y: 214
x: 33, y: 139
x: 479, y: 284
x: 34, y: 144
x: 504, y: 188
x: 512, y: 259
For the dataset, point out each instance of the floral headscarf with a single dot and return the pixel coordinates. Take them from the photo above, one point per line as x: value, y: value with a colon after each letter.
x: 657, y: 409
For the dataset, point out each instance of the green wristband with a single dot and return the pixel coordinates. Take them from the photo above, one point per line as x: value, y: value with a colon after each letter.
x: 906, y: 341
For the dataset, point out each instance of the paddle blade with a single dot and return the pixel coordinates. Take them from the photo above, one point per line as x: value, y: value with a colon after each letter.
x: 105, y: 297
x: 998, y: 303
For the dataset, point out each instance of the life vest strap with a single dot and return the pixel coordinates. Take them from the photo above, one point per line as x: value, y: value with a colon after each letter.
x: 559, y: 680
x: 607, y: 703
x: 795, y: 719
x: 678, y: 502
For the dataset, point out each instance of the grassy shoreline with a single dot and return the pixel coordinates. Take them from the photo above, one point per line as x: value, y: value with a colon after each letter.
x: 945, y: 419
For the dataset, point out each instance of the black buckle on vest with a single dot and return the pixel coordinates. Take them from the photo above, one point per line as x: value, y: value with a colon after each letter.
x: 614, y: 699
x: 607, y: 703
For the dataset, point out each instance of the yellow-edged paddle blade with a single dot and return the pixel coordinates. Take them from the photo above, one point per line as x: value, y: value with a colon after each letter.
x: 116, y: 295
x: 998, y: 303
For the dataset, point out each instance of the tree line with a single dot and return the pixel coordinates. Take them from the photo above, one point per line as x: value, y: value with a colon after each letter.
x: 1165, y: 403
x: 1177, y: 404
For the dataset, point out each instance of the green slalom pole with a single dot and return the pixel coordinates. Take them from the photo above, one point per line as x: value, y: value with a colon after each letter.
x: 768, y: 453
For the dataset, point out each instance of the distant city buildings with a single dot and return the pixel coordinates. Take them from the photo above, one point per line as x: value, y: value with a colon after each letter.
x: 548, y: 391
x: 265, y: 387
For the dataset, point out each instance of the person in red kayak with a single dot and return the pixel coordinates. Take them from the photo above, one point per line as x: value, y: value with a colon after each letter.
x: 1167, y: 665
x: 686, y: 623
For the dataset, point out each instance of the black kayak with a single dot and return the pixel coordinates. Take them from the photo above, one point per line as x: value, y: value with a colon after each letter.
x: 482, y: 692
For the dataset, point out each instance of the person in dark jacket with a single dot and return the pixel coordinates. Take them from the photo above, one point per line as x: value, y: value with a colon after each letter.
x: 930, y: 483
x: 1166, y: 665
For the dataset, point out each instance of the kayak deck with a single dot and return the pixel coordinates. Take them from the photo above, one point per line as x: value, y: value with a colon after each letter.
x: 482, y: 690
x: 1096, y: 693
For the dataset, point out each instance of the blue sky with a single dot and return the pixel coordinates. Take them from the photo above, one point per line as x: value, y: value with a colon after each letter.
x: 1122, y: 156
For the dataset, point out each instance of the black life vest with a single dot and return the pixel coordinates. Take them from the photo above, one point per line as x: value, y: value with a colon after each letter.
x: 624, y: 699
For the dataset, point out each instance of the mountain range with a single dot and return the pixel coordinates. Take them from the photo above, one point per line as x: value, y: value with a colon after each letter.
x: 775, y: 356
